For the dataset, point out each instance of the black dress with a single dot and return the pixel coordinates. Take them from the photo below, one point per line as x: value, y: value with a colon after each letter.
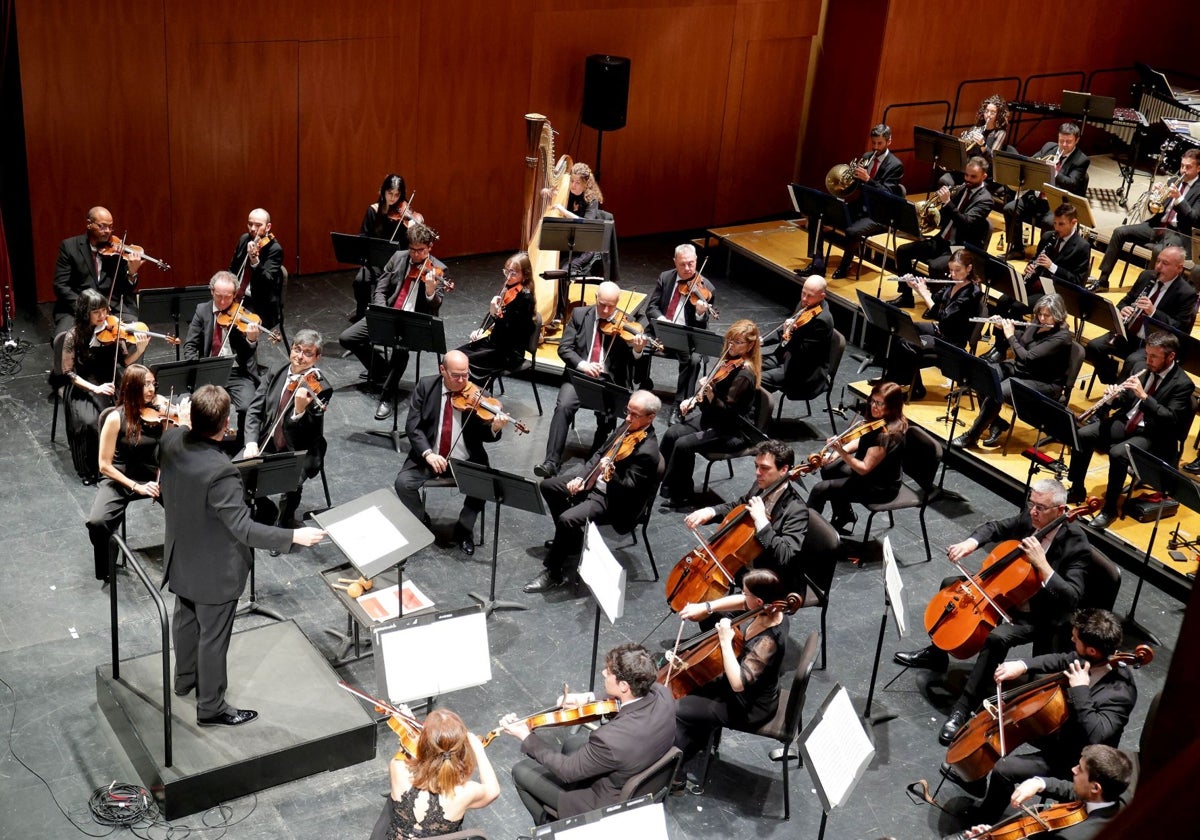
x: 404, y: 823
x: 841, y: 485
x: 96, y: 363
x: 377, y: 226
x: 139, y: 463
x: 505, y: 346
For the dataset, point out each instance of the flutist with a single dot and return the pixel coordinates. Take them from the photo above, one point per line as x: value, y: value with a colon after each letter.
x: 1151, y: 410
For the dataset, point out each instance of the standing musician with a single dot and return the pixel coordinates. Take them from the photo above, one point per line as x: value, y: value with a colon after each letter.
x: 1041, y: 356
x: 1164, y: 294
x: 796, y: 358
x: 437, y: 431
x: 588, y: 770
x: 631, y: 454
x: 1152, y: 414
x: 206, y: 338
x: 502, y: 342
x: 288, y: 415
x: 384, y: 219
x: 964, y: 221
x: 667, y: 304
x: 983, y: 138
x: 258, y: 266
x: 411, y: 281
x: 206, y: 556
x: 1060, y: 559
x: 1070, y: 174
x: 882, y: 170
x: 81, y: 264
x: 128, y: 460
x: 1172, y: 225
x: 726, y: 401
x: 583, y: 202
x: 587, y: 348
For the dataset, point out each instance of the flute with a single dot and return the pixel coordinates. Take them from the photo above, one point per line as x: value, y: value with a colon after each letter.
x: 997, y: 320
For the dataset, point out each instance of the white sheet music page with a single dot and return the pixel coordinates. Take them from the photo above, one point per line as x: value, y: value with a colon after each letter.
x: 366, y: 536
x: 895, y: 585
x: 838, y: 747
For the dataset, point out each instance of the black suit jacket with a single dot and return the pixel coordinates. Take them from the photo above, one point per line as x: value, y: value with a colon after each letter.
x: 1063, y: 790
x: 1073, y: 174
x: 1167, y: 413
x: 1178, y: 305
x: 425, y: 408
x: 266, y: 279
x: 633, y: 479
x: 1099, y: 713
x: 388, y: 287
x: 198, y: 344
x: 783, y: 539
x: 1072, y: 261
x: 303, y: 433
x: 954, y: 312
x: 74, y: 271
x: 806, y: 354
x: 577, y: 339
x: 1187, y: 212
x: 971, y: 222
x: 660, y: 299
x: 889, y: 175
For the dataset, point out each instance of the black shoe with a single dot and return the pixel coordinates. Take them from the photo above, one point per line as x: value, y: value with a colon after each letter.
x: 184, y: 692
x: 234, y: 718
x: 1192, y: 467
x: 995, y: 356
x: 843, y: 269
x: 1015, y: 254
x: 927, y: 657
x: 681, y: 502
x: 1103, y: 519
x: 844, y: 525
x: 468, y: 546
x: 964, y: 441
x: 994, y: 435
x: 543, y: 582
x: 917, y: 393
x: 546, y: 469
x: 903, y: 301
x: 384, y: 410
x: 950, y: 728
x: 548, y: 544
x: 1100, y: 284
x: 674, y: 417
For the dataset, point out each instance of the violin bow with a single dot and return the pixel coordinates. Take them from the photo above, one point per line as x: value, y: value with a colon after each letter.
x: 407, y: 209
x: 112, y: 287
x: 117, y: 340
x: 707, y: 549
x: 971, y: 581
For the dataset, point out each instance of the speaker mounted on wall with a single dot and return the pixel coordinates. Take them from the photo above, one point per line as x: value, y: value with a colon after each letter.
x: 605, y: 92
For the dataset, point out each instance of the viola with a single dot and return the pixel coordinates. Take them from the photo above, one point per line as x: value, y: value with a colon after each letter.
x: 260, y: 243
x: 695, y: 291
x: 722, y: 371
x: 116, y: 248
x: 626, y: 327
x: 960, y: 616
x: 1034, y: 822
x: 314, y: 382
x: 407, y: 728
x: 799, y: 320
x: 486, y: 407
x: 162, y: 413
x: 622, y: 447
x: 508, y: 293
x: 427, y: 268
x: 241, y: 318
x: 1030, y: 711
x: 113, y: 329
x: 563, y: 717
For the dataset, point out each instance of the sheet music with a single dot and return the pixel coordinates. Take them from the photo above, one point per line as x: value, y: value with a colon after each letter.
x: 366, y: 536
x: 603, y: 574
x: 837, y: 748
x: 895, y: 585
x: 645, y: 823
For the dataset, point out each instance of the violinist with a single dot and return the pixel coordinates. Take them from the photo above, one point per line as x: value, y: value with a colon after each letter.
x: 631, y: 454
x: 411, y: 281
x: 438, y: 431
x: 503, y: 341
x: 1060, y: 558
x: 747, y: 694
x: 796, y: 357
x: 588, y: 769
x: 288, y: 415
x: 128, y: 460
x: 258, y: 266
x: 207, y: 338
x: 432, y: 792
x: 867, y: 469
x: 92, y: 368
x: 714, y: 418
x: 384, y: 219
x: 81, y: 264
x: 587, y: 348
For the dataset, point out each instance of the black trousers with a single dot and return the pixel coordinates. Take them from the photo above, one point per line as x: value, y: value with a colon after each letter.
x: 202, y: 633
x: 537, y: 786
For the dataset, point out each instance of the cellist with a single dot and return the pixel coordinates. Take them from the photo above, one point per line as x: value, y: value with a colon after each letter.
x: 1061, y: 559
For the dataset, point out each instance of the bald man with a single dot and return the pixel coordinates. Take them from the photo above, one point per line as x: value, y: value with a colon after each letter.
x: 798, y: 364
x: 259, y: 256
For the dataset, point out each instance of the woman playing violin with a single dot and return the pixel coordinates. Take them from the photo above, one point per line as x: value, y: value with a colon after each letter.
x: 92, y: 368
x: 747, y: 694
x: 128, y: 459
x: 383, y: 220
x: 431, y: 793
x: 867, y: 469
x: 714, y: 417
x: 504, y: 340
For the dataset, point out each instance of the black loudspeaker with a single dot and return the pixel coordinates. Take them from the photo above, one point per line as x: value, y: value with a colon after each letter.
x: 605, y: 92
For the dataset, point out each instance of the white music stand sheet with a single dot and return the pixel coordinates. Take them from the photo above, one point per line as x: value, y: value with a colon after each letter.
x: 648, y: 822
x: 836, y: 749
x: 603, y: 574
x: 366, y: 536
x: 894, y: 585
x: 430, y: 655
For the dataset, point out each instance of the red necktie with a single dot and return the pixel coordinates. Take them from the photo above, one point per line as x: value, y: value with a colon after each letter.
x: 285, y: 397
x: 447, y: 426
x: 874, y: 167
x: 597, y: 343
x: 1136, y: 419
x: 675, y: 296
x: 406, y: 289
x: 217, y: 339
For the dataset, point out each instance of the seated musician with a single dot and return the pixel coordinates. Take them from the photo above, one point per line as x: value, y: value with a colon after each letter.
x: 880, y: 169
x: 1099, y: 780
x: 1063, y: 255
x: 1060, y: 558
x: 588, y: 770
x: 983, y: 138
x: 964, y: 220
x: 1172, y: 225
x: 432, y: 792
x: 1070, y: 174
x: 258, y: 265
x: 667, y: 304
x: 587, y: 348
x: 1100, y: 699
x: 716, y: 417
x: 438, y: 431
x: 504, y: 340
x: 867, y: 469
x: 1042, y: 354
x: 81, y: 265
x: 287, y: 416
x: 1163, y: 294
x: 206, y: 338
x: 583, y: 202
x: 384, y: 219
x: 409, y: 282
x: 587, y: 494
x: 796, y: 358
x: 746, y: 695
x: 1151, y: 413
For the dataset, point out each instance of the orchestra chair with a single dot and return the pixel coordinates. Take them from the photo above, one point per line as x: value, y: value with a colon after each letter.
x: 1074, y: 366
x: 447, y: 480
x: 383, y: 826
x: 785, y: 726
x: 837, y: 347
x: 761, y: 418
x: 922, y: 457
x: 529, y: 364
x: 1101, y: 583
x: 642, y: 519
x: 821, y: 550
x: 655, y: 780
x: 58, y: 386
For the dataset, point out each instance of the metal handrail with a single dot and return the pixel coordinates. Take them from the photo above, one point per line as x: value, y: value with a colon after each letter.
x: 132, y: 562
x: 945, y: 117
x: 958, y: 96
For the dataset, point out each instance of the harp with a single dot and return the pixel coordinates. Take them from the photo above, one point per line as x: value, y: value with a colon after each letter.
x: 546, y: 184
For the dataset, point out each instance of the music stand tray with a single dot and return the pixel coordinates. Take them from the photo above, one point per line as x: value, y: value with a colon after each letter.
x: 1048, y: 416
x: 892, y: 211
x: 688, y: 340
x: 598, y: 395
x: 573, y: 235
x: 417, y: 332
x: 353, y: 249
x: 1082, y: 206
x: 939, y: 149
x: 185, y: 377
x: 1089, y: 106
x: 174, y: 306
x: 999, y: 275
x: 1015, y: 171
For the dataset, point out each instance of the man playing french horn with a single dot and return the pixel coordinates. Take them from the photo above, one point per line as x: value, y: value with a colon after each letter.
x: 881, y: 169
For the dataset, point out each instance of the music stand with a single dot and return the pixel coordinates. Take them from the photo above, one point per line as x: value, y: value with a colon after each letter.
x: 1082, y: 206
x: 157, y: 306
x: 893, y: 212
x: 1050, y: 418
x: 574, y: 236
x: 185, y: 377
x: 1015, y: 171
x: 1188, y: 356
x: 891, y: 319
x: 503, y: 488
x: 365, y: 251
x: 598, y: 395
x: 1081, y: 104
x: 263, y: 476
x: 939, y: 150
x: 1089, y: 307
x: 413, y: 331
x: 685, y: 340
x: 817, y: 206
x: 966, y: 372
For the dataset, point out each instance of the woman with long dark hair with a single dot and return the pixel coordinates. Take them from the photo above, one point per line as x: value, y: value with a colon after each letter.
x: 384, y: 219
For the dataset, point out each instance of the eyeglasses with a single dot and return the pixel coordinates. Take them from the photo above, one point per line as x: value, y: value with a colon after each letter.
x: 508, y: 272
x: 637, y: 414
x: 877, y: 403
x: 1034, y: 507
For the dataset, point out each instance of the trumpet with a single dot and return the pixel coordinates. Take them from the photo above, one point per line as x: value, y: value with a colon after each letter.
x: 1052, y: 158
x: 1090, y: 412
x: 840, y: 181
x: 929, y: 212
x: 1159, y: 198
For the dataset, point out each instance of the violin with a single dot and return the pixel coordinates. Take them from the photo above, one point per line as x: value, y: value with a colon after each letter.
x: 256, y: 245
x: 960, y: 616
x: 444, y: 283
x: 1037, y: 821
x: 695, y: 291
x: 116, y: 248
x: 508, y: 293
x: 313, y: 382
x: 626, y: 327
x: 563, y: 717
x: 241, y: 318
x: 407, y: 728
x: 622, y: 447
x: 1029, y: 711
x: 700, y: 661
x: 799, y: 320
x: 722, y: 371
x: 486, y: 407
x: 161, y: 413
x: 113, y: 329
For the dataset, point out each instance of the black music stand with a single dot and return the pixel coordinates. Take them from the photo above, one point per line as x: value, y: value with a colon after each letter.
x: 964, y: 371
x: 574, y: 236
x: 159, y: 306
x: 186, y: 377
x: 599, y: 395
x: 893, y: 212
x: 503, y: 488
x: 1089, y: 307
x: 1050, y: 418
x: 263, y: 476
x: 999, y: 275
x: 365, y: 251
x: 1188, y: 356
x: 1083, y: 207
x: 1081, y: 104
x: 685, y: 340
x: 939, y: 150
x: 1015, y: 171
x: 817, y: 207
x: 416, y: 332
x: 892, y: 320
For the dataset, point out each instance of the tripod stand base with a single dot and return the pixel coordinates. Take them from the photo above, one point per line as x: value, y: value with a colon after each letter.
x: 490, y: 605
x: 258, y: 609
x: 395, y: 435
x: 1132, y: 626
